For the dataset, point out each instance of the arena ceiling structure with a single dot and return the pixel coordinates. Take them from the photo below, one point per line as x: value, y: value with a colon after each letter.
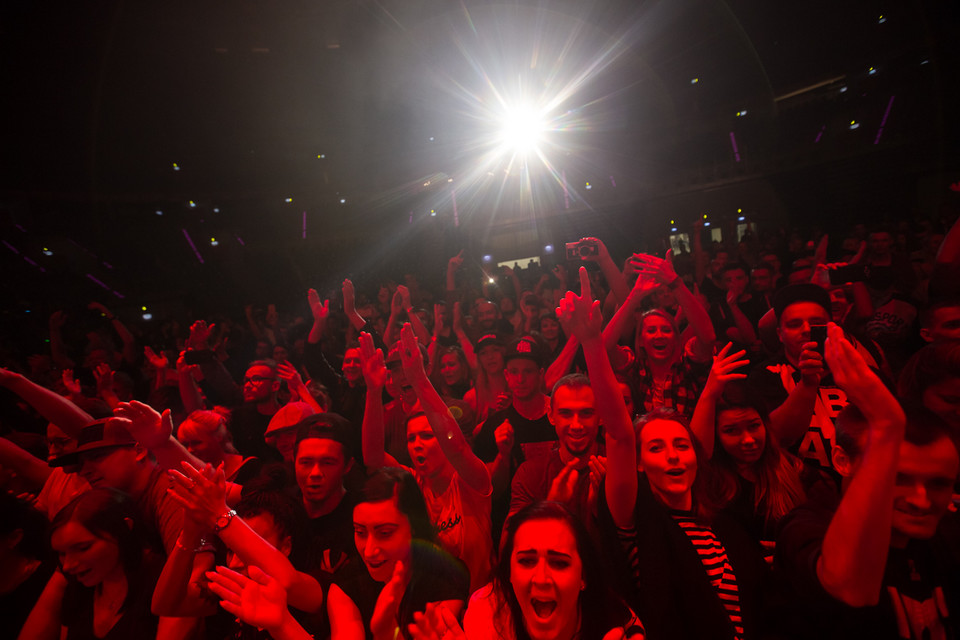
x: 206, y: 124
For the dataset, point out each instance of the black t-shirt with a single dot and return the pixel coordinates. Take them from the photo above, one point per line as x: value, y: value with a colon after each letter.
x: 332, y: 546
x: 247, y: 425
x: 774, y: 379
x: 531, y: 438
x: 920, y: 592
x: 436, y: 576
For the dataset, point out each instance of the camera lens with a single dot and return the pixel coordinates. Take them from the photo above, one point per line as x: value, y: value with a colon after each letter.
x: 584, y: 250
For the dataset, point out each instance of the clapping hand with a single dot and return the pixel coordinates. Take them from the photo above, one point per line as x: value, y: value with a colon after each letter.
x: 201, y: 493
x: 371, y: 363
x: 435, y: 623
x: 149, y: 428
x: 258, y: 600
x: 410, y: 356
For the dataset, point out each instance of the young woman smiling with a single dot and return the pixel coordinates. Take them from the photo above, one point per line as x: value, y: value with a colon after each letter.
x: 694, y: 575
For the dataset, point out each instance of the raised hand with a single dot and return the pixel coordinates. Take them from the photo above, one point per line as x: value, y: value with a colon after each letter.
x: 202, y: 494
x: 371, y: 363
x: 71, y: 383
x: 349, y: 296
x: 383, y: 623
x: 410, y: 356
x: 659, y: 269
x: 57, y: 320
x: 503, y: 436
x: 289, y: 374
x: 457, y: 318
x: 259, y: 600
x: 404, y: 297
x: 863, y: 387
x: 580, y: 315
x: 151, y: 429
x: 104, y: 375
x: 724, y: 369
x: 272, y: 318
x: 598, y: 471
x: 320, y: 310
x: 563, y: 486
x: 455, y: 262
x: 156, y: 361
x: 199, y: 335
x: 396, y: 303
x: 435, y: 623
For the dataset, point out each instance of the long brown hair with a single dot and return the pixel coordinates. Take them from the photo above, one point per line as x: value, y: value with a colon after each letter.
x: 778, y: 488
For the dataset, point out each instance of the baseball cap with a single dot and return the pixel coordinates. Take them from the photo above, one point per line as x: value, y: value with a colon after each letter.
x: 288, y: 417
x: 106, y: 433
x: 794, y: 293
x: 524, y: 348
x: 488, y: 339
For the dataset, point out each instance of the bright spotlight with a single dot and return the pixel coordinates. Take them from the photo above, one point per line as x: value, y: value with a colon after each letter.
x: 522, y: 129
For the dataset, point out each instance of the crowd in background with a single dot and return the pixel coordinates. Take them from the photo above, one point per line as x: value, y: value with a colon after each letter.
x: 754, y: 438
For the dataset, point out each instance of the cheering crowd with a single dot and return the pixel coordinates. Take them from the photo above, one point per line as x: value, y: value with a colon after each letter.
x: 734, y: 441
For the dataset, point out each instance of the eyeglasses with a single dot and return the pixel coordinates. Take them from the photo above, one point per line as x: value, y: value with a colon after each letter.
x: 256, y: 379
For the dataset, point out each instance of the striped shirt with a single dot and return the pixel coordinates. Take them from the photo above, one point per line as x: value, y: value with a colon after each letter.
x: 712, y: 556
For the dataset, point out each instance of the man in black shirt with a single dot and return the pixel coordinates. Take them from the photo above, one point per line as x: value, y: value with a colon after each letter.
x: 882, y: 561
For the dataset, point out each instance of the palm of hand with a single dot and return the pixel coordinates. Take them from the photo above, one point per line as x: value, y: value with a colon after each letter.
x: 263, y: 605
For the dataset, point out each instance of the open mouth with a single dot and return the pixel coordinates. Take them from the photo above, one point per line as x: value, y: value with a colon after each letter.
x: 376, y: 565
x: 543, y: 608
x: 420, y: 460
x: 676, y: 473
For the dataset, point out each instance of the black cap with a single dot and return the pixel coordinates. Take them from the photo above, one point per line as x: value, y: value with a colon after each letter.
x: 525, y: 348
x: 489, y: 338
x: 106, y: 433
x: 794, y: 293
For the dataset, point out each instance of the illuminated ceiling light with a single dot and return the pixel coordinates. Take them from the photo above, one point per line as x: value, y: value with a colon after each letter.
x: 321, y: 156
x: 433, y: 213
x: 881, y: 20
x: 739, y: 210
x: 488, y: 258
x: 491, y: 280
x: 871, y: 71
x: 158, y: 212
x: 704, y: 216
x: 706, y: 224
x: 147, y: 316
x: 343, y: 201
x: 193, y: 205
x: 216, y: 209
x: 176, y: 167
x: 741, y: 218
x: 694, y: 80
x: 143, y: 308
x: 854, y: 125
x: 213, y: 242
x: 588, y: 186
x: 521, y: 129
x: 742, y: 113
x: 673, y: 228
x: 288, y: 200
x: 47, y: 252
x: 548, y: 248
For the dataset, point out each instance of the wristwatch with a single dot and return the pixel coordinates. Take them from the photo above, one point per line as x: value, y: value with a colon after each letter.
x: 223, y: 521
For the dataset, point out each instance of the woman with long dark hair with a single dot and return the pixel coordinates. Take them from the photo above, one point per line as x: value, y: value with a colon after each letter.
x: 403, y: 568
x: 103, y: 586
x: 750, y: 477
x: 549, y: 584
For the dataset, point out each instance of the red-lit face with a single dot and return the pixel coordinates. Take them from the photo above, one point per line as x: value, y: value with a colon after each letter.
x: 742, y: 434
x: 425, y: 452
x: 549, y: 329
x: 487, y: 316
x: 735, y: 280
x: 546, y: 574
x: 795, y: 323
x: 657, y: 338
x: 84, y: 556
x: 490, y: 357
x: 574, y: 415
x: 451, y: 369
x: 943, y: 398
x: 200, y: 442
x: 383, y: 536
x: 761, y: 280
x: 259, y: 384
x: 924, y: 487
x: 320, y: 467
x: 524, y: 378
x: 668, y: 459
x: 351, y: 365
